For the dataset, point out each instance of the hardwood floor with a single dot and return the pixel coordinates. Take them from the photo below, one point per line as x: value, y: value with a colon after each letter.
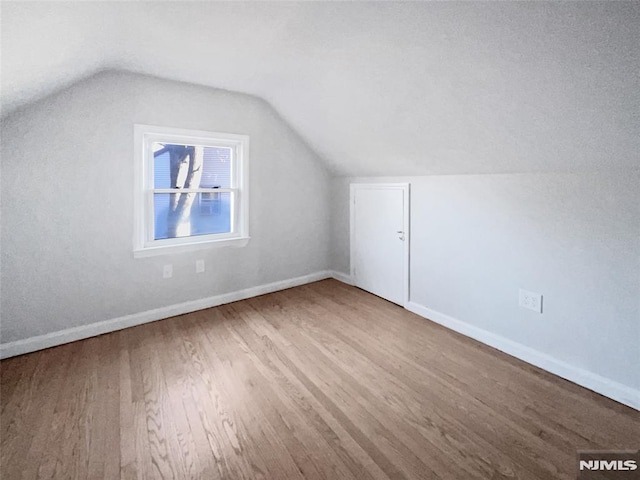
x: 320, y: 381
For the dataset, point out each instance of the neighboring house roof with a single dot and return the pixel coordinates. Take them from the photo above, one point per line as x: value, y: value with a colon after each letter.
x: 216, y: 171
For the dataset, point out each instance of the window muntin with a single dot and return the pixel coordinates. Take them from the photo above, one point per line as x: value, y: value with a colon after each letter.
x: 192, y: 189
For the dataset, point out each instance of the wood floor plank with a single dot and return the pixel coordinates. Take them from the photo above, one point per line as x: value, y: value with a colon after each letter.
x: 253, y: 426
x: 164, y: 462
x: 68, y: 448
x: 354, y: 399
x: 127, y: 421
x: 299, y: 399
x: 305, y: 445
x: 197, y: 458
x: 233, y: 421
x: 14, y: 376
x: 104, y: 459
x: 498, y: 373
x: 391, y: 375
x: 322, y: 381
x: 631, y: 429
x: 269, y: 349
x: 406, y: 404
x: 39, y: 399
x: 444, y: 437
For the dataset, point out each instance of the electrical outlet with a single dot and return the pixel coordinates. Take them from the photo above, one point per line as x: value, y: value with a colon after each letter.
x: 199, y: 266
x: 167, y: 271
x: 530, y: 300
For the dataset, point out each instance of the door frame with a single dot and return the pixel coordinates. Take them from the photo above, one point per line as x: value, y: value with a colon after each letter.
x: 405, y: 188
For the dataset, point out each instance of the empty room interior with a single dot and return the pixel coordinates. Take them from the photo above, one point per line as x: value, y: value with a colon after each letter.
x: 320, y: 240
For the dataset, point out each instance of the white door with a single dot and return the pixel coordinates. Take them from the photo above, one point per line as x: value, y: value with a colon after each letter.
x: 379, y: 239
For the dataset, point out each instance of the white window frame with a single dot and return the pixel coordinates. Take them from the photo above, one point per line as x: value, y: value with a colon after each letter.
x: 144, y: 137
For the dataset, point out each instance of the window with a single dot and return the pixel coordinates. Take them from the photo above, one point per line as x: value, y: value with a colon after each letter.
x: 191, y: 190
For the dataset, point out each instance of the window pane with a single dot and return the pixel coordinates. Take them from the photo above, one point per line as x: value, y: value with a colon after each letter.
x: 187, y: 214
x: 161, y: 170
x: 189, y: 166
x: 217, y: 168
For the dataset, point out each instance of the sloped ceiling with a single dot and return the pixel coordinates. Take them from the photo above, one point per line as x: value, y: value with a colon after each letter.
x: 376, y: 88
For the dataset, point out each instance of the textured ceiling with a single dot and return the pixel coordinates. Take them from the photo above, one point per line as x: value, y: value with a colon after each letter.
x: 376, y: 88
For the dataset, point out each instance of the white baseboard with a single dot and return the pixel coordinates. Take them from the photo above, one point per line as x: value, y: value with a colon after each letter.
x: 609, y: 388
x: 68, y: 335
x: 597, y: 383
x: 342, y: 277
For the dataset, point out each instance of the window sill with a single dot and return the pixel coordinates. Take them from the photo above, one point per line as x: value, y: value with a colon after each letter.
x: 189, y: 247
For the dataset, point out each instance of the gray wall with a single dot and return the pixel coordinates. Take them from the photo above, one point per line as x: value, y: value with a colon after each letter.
x: 67, y: 225
x: 67, y: 214
x: 575, y: 238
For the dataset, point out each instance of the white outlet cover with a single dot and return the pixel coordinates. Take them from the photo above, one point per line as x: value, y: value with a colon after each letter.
x: 530, y: 300
x: 199, y: 266
x: 167, y: 271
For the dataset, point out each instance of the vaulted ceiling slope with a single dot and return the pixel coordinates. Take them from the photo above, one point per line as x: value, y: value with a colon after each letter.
x: 376, y: 88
